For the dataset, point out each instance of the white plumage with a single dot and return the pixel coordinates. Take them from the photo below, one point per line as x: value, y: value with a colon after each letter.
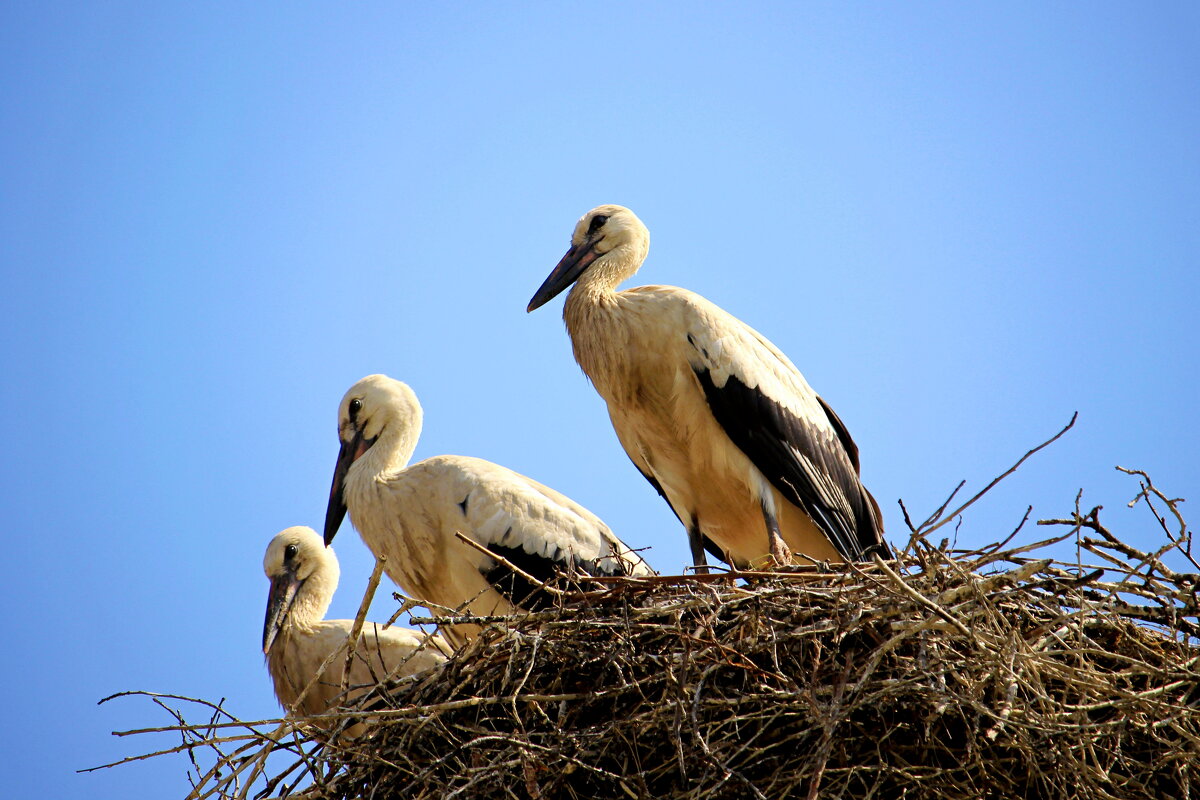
x: 411, y: 514
x: 297, y: 638
x: 719, y: 421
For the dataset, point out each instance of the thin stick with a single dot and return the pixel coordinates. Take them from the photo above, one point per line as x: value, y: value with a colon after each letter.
x: 544, y: 585
x: 1003, y: 475
x: 359, y: 618
x: 925, y: 601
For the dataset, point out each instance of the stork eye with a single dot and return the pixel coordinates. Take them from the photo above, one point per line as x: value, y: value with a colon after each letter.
x: 355, y: 407
x: 289, y: 552
x: 597, y: 223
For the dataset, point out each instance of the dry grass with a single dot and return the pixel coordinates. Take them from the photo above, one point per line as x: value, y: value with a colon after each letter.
x: 992, y: 673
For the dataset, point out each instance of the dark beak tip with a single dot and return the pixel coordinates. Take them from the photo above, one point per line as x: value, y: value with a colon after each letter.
x: 335, y: 512
x: 565, y: 273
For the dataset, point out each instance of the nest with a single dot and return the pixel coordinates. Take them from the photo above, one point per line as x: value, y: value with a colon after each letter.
x: 941, y: 674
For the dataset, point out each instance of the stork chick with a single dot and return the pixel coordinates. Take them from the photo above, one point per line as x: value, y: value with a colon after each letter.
x: 713, y: 415
x: 297, y: 638
x: 521, y: 533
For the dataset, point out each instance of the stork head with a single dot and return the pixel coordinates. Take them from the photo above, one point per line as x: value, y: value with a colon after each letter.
x: 303, y: 574
x: 374, y: 409
x: 608, y: 245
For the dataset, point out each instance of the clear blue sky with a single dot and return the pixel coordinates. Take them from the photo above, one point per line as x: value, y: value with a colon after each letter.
x: 963, y: 222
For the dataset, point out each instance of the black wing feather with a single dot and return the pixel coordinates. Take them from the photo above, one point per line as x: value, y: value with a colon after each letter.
x: 843, y: 435
x: 874, y: 542
x: 555, y: 572
x: 770, y: 436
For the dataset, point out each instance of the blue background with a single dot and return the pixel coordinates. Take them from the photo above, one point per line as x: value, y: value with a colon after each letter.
x: 963, y: 222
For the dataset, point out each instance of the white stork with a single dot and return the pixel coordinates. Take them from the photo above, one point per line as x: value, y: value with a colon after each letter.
x: 297, y: 638
x: 411, y: 515
x: 720, y: 422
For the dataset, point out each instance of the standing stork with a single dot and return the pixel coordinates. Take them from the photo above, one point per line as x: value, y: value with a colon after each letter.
x: 297, y: 639
x: 717, y: 419
x: 521, y: 533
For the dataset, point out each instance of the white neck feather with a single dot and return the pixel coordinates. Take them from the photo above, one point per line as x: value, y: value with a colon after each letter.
x: 312, y: 601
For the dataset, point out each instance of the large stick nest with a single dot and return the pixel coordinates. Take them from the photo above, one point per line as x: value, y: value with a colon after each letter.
x: 938, y: 684
x: 938, y: 675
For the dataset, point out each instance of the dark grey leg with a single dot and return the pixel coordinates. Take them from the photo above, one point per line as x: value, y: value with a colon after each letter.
x: 696, y: 541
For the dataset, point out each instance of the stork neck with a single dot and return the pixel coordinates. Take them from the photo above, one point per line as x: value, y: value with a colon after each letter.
x: 597, y: 287
x: 312, y: 601
x: 393, y: 451
x: 609, y: 270
x: 599, y: 336
x: 585, y: 297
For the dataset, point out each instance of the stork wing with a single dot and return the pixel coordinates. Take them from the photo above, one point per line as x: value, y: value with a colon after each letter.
x: 789, y: 433
x: 539, y: 531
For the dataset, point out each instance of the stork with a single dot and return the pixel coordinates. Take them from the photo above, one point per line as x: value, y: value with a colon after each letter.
x: 519, y: 533
x: 297, y: 639
x: 714, y: 416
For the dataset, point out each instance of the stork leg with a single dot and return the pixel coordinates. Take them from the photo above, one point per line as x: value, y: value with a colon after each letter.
x: 696, y: 542
x: 778, y: 548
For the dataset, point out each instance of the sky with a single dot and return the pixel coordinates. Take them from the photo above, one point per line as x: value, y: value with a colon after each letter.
x: 963, y: 223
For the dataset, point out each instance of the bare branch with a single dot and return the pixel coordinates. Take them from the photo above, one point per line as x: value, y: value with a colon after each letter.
x: 997, y: 479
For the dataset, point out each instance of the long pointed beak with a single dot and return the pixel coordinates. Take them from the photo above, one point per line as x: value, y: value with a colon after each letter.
x: 335, y: 512
x: 279, y: 603
x: 572, y: 265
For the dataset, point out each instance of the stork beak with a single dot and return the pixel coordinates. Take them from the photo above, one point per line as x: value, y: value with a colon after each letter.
x: 279, y: 603
x: 572, y: 265
x: 335, y: 512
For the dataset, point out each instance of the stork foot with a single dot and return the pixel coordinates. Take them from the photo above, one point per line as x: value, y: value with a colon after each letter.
x: 780, y: 552
x: 777, y: 547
